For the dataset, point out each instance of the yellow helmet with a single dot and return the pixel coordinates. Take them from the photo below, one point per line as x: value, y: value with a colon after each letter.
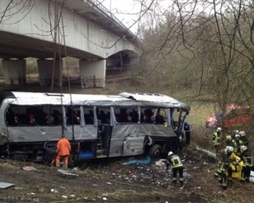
x: 228, y: 137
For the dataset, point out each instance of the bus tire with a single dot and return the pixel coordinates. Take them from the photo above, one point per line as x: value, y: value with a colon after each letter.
x: 155, y: 151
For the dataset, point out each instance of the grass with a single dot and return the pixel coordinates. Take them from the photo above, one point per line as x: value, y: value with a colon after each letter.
x: 201, y: 136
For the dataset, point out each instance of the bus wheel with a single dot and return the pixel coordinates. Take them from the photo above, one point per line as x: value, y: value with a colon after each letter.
x: 155, y: 151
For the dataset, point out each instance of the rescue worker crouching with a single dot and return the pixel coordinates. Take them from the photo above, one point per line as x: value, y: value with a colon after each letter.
x: 177, y: 167
x: 63, y: 150
x: 247, y: 166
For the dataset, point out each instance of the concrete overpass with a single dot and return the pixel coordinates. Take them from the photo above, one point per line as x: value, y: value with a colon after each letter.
x: 50, y: 30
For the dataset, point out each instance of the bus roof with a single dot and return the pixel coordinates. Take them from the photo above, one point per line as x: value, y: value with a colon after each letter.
x: 122, y: 99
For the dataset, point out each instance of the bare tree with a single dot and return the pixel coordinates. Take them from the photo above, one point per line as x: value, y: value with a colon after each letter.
x: 206, y: 46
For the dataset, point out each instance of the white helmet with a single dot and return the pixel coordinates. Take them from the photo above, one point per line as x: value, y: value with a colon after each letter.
x: 243, y: 148
x: 218, y: 129
x: 237, y: 131
x: 242, y: 133
x: 237, y: 136
x: 229, y: 149
x: 170, y: 153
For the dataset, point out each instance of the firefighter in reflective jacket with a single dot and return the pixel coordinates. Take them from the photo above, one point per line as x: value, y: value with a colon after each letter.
x: 229, y: 163
x: 243, y: 138
x: 177, y: 167
x: 217, y: 139
x: 237, y: 142
x: 247, y: 166
x: 63, y: 150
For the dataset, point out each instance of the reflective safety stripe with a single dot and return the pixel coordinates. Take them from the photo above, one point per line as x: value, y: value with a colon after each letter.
x: 176, y: 161
x: 216, y: 138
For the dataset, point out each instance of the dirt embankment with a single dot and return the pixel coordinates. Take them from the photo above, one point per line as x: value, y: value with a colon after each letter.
x: 109, y: 180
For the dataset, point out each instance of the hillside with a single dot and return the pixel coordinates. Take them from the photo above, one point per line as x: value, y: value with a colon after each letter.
x: 111, y: 181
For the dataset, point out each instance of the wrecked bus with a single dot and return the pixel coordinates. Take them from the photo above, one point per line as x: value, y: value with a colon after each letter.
x: 98, y: 126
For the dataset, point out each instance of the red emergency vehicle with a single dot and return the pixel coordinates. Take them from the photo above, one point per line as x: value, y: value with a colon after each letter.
x: 235, y: 115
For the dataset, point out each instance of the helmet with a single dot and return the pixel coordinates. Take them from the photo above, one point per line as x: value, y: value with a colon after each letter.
x: 170, y: 153
x: 218, y: 129
x: 237, y: 136
x: 229, y: 149
x: 243, y: 148
x: 237, y: 131
x: 228, y: 137
x: 242, y: 133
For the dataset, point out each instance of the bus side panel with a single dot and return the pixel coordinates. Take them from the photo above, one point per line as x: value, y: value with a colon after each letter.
x: 128, y: 140
x: 162, y: 131
x: 87, y: 132
x: 47, y: 133
x: 133, y: 146
x: 119, y: 135
x: 34, y: 133
x: 116, y: 147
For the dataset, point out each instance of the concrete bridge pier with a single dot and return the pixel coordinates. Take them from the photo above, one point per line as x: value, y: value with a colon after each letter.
x: 92, y: 73
x: 14, y: 71
x: 46, y: 73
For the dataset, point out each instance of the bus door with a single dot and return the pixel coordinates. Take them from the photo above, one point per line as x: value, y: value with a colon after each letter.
x: 104, y: 120
x: 126, y: 139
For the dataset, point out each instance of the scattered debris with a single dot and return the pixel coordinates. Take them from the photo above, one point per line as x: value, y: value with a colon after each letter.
x: 145, y: 161
x: 29, y: 168
x: 53, y: 190
x: 66, y: 172
x: 4, y: 185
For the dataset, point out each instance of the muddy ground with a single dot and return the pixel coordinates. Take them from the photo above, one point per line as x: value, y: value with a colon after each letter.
x: 108, y: 180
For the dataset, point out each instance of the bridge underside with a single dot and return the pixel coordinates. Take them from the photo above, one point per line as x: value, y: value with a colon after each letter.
x: 21, y: 46
x: 92, y: 68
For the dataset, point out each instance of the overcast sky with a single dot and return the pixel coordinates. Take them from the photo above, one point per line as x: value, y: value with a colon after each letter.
x: 127, y: 11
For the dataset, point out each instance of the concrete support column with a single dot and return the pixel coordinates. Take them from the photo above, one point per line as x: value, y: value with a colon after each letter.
x: 14, y: 71
x: 46, y: 73
x: 92, y: 73
x: 134, y: 63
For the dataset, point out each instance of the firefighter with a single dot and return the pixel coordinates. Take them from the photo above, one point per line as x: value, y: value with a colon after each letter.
x: 247, y: 166
x: 243, y: 138
x: 229, y: 141
x: 229, y: 163
x: 63, y: 150
x: 235, y: 133
x: 187, y: 132
x: 217, y: 139
x: 237, y: 142
x: 177, y: 167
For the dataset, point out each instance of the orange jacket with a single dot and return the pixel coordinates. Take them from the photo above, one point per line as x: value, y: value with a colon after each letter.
x: 63, y: 147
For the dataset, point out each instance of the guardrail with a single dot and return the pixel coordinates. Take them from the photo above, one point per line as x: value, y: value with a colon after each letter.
x: 106, y: 12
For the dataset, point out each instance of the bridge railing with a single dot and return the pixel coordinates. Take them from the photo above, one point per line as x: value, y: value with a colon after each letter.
x: 102, y: 8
